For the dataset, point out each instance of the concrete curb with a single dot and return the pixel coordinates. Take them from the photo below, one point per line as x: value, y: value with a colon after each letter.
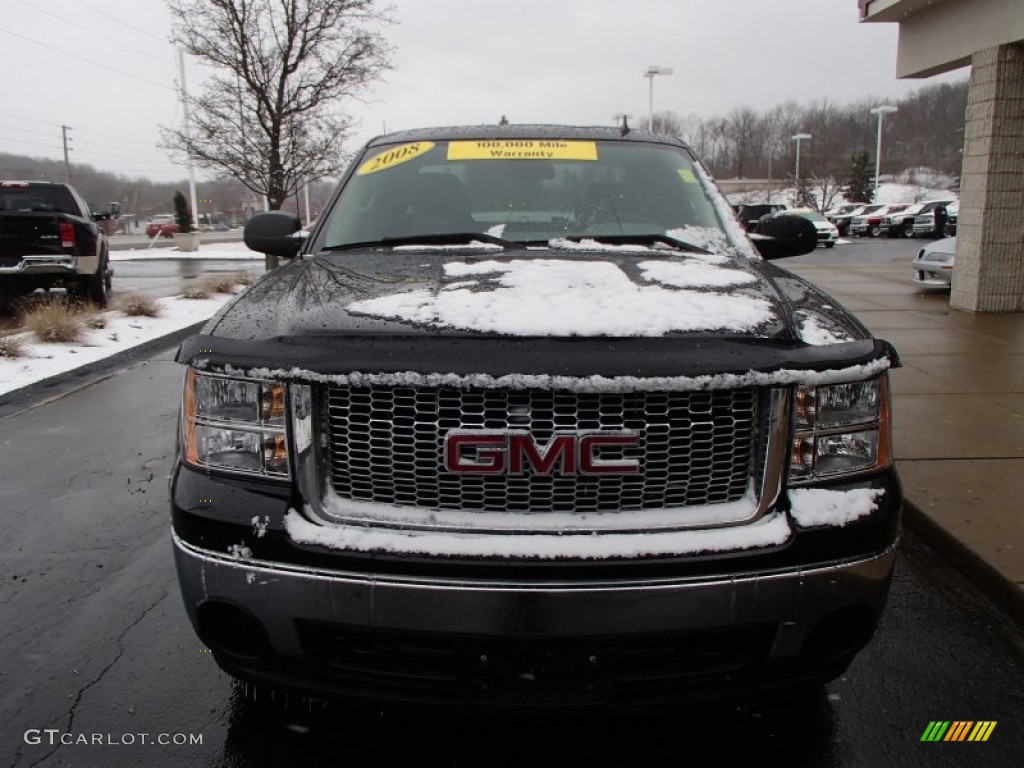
x: 988, y: 579
x: 63, y: 384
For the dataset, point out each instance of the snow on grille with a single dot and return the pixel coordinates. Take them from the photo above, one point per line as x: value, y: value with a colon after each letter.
x: 386, y: 445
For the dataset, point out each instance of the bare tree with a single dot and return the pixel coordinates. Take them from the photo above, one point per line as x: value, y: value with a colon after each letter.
x: 268, y: 116
x: 818, y: 192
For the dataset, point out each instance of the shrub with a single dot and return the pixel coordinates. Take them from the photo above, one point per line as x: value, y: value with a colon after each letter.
x: 243, y: 278
x: 222, y: 283
x: 12, y: 346
x: 54, y: 321
x: 138, y: 305
x: 196, y: 291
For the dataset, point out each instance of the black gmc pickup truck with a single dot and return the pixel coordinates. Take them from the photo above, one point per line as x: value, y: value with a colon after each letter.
x: 49, y: 238
x: 529, y: 419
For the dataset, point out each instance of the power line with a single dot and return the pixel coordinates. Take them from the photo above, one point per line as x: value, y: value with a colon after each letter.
x: 29, y: 119
x: 120, y: 21
x: 94, y: 32
x: 55, y: 147
x: 90, y: 61
x: 78, y: 129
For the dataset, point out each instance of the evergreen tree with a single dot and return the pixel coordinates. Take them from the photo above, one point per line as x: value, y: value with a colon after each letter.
x: 860, y: 185
x: 182, y: 215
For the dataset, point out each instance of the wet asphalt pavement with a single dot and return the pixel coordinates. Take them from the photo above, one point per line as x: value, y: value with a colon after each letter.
x: 94, y: 642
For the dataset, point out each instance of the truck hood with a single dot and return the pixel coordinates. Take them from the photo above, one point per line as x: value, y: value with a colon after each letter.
x: 536, y: 292
x: 540, y: 312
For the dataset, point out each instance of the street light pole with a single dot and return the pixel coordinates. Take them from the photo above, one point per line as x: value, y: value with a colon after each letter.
x: 798, y: 137
x: 653, y: 70
x: 880, y: 111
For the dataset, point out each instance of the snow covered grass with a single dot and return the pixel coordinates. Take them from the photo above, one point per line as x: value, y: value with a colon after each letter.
x: 911, y: 188
x: 231, y: 251
x: 38, y: 361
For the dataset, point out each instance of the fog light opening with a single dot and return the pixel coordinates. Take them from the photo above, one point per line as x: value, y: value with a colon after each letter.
x: 842, y: 633
x: 226, y: 628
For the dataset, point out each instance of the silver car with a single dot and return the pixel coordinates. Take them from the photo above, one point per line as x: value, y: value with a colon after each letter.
x: 934, y: 263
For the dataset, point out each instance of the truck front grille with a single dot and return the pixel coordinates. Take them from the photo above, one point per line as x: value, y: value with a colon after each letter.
x: 386, y: 445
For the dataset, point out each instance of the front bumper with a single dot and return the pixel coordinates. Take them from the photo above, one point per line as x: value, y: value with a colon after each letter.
x: 413, y: 628
x: 352, y: 635
x: 933, y: 273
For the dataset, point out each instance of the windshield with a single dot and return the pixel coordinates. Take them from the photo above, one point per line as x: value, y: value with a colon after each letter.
x: 524, y: 191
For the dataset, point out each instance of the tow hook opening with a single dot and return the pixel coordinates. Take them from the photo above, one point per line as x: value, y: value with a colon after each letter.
x: 228, y: 629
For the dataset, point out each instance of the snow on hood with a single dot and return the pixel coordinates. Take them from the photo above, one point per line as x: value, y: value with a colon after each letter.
x: 816, y: 329
x: 551, y: 297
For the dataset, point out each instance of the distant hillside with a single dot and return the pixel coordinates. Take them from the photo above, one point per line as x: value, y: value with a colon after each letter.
x: 142, y: 197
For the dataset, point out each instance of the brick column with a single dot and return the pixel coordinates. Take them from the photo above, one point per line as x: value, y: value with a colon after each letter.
x: 989, y: 274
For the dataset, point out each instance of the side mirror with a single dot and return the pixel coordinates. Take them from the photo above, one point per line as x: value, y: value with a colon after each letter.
x: 780, y: 236
x: 272, y: 232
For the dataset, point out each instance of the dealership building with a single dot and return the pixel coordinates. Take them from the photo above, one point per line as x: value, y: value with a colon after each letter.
x: 937, y: 36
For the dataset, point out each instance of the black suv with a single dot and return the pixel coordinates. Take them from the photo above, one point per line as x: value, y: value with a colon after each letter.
x: 529, y: 420
x: 751, y: 213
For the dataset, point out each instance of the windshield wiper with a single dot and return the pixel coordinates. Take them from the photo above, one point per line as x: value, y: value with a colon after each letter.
x: 447, y: 238
x: 652, y: 239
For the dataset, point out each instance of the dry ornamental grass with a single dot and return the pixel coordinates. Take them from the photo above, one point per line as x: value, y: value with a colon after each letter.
x: 196, y: 291
x: 137, y: 305
x: 54, y: 321
x: 12, y: 346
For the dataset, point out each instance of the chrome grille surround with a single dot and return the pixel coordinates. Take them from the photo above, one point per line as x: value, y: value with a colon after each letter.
x: 381, y: 447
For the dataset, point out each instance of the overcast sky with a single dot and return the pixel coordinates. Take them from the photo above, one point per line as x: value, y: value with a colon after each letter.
x: 105, y: 68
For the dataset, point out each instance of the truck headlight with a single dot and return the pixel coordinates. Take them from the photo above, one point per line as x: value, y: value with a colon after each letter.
x: 840, y: 429
x: 236, y: 425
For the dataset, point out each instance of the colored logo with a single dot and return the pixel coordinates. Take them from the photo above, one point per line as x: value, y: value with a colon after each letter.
x: 958, y: 730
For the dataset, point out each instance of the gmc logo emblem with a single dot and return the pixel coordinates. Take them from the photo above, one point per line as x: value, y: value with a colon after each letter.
x: 484, y: 452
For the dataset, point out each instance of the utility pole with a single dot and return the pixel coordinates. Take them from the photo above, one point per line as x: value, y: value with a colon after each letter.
x: 188, y: 138
x: 305, y: 194
x: 67, y: 162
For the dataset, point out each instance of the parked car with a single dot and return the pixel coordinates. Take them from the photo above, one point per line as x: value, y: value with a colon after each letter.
x: 840, y: 215
x: 529, y: 420
x: 842, y: 210
x: 50, y: 238
x: 827, y: 232
x: 163, y: 225
x: 870, y: 224
x: 934, y: 264
x: 901, y: 223
x: 751, y: 213
x: 843, y: 220
x: 925, y: 222
x: 952, y: 214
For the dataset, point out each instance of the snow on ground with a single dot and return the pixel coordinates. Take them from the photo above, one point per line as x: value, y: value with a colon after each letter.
x: 927, y: 188
x: 41, y: 361
x: 206, y: 251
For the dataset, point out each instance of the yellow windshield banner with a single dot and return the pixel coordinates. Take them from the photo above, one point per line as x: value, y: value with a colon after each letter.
x: 522, y: 149
x: 393, y: 156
